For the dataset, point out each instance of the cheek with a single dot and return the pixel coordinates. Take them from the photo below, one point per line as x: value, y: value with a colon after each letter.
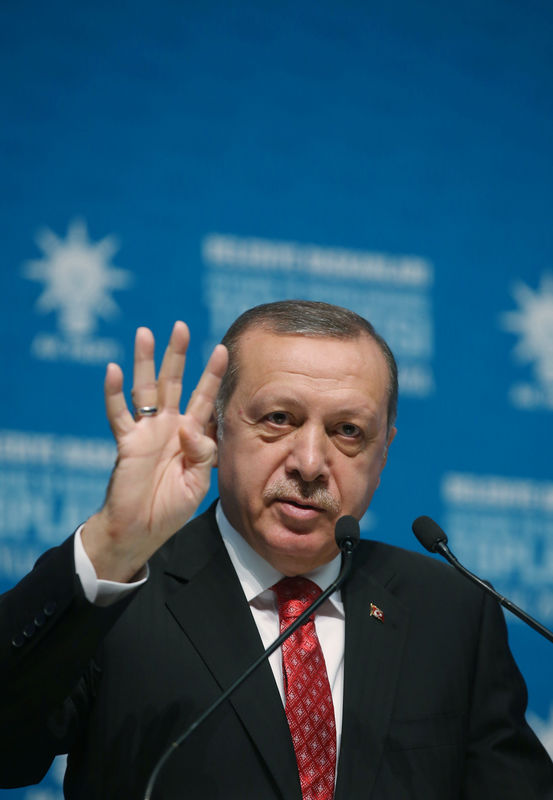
x: 253, y: 466
x: 358, y: 482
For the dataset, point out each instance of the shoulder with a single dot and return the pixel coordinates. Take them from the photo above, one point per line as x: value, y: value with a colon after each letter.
x: 417, y: 577
x: 380, y: 556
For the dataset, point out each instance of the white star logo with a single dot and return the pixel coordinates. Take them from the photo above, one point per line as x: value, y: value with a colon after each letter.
x: 533, y: 321
x: 78, y: 278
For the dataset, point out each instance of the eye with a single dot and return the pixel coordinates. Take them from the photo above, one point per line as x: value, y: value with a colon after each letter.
x: 278, y: 418
x: 349, y: 430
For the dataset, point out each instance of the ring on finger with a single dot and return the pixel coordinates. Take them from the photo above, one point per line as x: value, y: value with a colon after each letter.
x: 146, y: 411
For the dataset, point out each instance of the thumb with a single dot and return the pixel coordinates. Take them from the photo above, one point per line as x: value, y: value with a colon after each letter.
x: 197, y: 448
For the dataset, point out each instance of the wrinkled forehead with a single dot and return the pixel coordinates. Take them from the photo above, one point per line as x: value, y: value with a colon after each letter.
x: 263, y: 351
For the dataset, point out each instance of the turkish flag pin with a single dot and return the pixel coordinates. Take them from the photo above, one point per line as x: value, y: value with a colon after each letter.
x: 376, y: 612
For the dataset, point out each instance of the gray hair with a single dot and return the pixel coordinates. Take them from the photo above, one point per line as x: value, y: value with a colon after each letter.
x: 301, y: 318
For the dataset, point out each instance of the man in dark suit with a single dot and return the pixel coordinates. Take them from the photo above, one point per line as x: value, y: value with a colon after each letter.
x: 124, y: 634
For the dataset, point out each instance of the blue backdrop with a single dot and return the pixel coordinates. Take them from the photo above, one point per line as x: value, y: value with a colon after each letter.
x: 190, y: 159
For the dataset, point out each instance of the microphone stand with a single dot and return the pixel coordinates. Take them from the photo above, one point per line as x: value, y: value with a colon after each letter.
x: 443, y: 549
x: 434, y: 539
x: 347, y: 547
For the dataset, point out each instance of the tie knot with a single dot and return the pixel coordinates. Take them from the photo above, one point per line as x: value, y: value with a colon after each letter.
x: 294, y: 595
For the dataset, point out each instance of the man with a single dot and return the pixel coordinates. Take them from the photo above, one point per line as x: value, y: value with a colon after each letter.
x: 122, y: 636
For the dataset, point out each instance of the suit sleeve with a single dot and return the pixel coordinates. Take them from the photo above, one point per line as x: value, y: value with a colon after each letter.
x: 49, y: 634
x: 504, y: 759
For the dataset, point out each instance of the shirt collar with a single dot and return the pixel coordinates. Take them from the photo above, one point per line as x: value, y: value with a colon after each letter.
x: 256, y: 575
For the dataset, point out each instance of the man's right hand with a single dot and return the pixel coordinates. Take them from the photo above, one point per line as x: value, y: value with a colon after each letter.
x: 164, y: 461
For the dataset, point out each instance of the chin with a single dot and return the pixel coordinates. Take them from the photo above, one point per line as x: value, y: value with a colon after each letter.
x: 297, y: 553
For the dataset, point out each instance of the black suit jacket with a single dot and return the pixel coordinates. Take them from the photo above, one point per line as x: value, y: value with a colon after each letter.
x: 433, y: 701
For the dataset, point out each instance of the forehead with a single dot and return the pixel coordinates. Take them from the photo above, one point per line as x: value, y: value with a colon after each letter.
x: 269, y: 361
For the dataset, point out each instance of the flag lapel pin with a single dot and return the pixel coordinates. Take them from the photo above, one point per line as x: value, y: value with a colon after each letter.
x: 377, y: 613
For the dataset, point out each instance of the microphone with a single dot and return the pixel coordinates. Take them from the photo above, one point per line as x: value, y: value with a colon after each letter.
x: 434, y: 539
x: 346, y: 534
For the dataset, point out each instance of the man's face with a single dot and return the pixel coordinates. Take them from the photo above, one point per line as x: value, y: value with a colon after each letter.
x: 304, y: 442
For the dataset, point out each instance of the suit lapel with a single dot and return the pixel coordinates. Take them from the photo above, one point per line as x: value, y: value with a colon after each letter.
x: 212, y: 610
x: 373, y: 654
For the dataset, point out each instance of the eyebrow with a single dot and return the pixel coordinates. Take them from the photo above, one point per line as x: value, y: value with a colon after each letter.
x: 283, y: 400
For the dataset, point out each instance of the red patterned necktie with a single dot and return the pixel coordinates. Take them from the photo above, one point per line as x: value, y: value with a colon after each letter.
x: 309, y: 708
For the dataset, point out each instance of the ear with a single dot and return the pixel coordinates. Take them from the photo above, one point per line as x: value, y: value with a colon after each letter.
x: 211, y: 431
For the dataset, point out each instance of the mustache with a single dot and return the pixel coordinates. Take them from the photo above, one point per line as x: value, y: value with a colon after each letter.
x: 302, y: 492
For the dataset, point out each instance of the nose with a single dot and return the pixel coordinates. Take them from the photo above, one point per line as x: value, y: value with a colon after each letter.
x: 309, y: 453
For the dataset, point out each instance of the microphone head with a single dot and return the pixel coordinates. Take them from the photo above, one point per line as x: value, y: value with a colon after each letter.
x: 347, y: 531
x: 429, y: 533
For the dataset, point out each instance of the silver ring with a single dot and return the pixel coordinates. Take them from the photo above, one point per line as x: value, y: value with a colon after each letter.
x: 146, y: 411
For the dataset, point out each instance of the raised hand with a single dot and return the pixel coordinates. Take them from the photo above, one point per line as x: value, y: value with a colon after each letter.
x: 163, y: 462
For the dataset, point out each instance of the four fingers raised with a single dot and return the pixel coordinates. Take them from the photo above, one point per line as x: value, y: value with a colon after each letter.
x: 165, y: 393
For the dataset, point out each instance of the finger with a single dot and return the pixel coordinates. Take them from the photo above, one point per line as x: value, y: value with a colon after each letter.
x: 172, y: 368
x: 144, y: 390
x: 202, y: 401
x: 119, y: 417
